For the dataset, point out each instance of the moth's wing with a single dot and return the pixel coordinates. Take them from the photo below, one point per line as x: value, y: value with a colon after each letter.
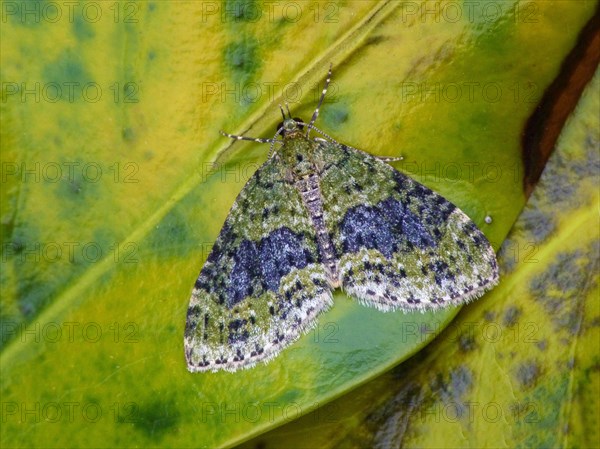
x: 262, y: 285
x: 399, y: 244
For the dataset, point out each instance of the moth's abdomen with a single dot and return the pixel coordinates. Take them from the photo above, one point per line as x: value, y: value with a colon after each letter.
x: 313, y: 201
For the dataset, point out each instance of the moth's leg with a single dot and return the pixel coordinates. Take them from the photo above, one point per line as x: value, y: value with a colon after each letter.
x: 253, y: 139
x: 389, y: 158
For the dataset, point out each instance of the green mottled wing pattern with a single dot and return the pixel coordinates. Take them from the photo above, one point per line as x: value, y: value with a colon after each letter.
x: 399, y: 244
x: 262, y: 285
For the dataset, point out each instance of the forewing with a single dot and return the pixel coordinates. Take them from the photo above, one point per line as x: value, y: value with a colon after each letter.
x: 262, y: 285
x: 399, y: 244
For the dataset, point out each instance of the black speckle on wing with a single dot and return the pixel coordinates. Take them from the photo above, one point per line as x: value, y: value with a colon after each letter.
x: 433, y: 208
x: 238, y: 331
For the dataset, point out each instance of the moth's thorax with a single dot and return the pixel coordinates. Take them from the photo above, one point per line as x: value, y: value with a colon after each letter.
x: 298, y: 154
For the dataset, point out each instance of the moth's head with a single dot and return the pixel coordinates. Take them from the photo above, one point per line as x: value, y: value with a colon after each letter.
x: 290, y: 126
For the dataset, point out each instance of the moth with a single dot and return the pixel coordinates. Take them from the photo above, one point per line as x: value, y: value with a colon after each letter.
x: 316, y: 216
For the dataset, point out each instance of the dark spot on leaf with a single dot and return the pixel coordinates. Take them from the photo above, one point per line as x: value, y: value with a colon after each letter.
x: 154, y: 419
x: 82, y: 28
x: 128, y: 134
x: 511, y: 316
x: 467, y: 343
x: 527, y: 373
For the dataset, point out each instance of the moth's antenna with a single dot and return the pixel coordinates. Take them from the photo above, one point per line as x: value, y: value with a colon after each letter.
x: 316, y: 113
x: 288, y: 109
x: 282, y: 113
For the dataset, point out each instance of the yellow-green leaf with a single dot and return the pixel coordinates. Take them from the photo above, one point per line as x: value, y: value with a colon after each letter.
x: 110, y: 113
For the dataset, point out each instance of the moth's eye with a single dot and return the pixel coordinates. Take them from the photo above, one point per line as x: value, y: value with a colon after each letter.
x: 279, y: 126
